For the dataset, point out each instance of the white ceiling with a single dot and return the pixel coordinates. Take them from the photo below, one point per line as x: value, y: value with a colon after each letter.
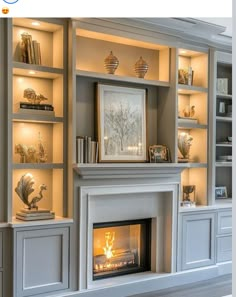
x: 225, y: 22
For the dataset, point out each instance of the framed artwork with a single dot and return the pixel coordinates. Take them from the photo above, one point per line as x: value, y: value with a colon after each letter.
x: 121, y: 123
x: 159, y: 154
x: 221, y: 192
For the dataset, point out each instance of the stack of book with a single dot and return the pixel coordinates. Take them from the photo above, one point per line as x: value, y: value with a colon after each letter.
x: 29, y: 108
x: 33, y: 214
x: 87, y: 150
x: 30, y: 50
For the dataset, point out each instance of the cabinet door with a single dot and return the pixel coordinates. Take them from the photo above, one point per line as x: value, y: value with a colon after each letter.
x: 224, y: 222
x: 41, y: 261
x: 197, y: 240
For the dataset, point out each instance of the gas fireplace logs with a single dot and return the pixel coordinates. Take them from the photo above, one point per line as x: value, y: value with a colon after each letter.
x: 121, y: 258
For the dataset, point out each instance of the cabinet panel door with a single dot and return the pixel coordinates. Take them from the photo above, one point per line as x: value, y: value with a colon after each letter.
x: 42, y: 260
x: 224, y: 248
x: 197, y: 240
x: 224, y: 222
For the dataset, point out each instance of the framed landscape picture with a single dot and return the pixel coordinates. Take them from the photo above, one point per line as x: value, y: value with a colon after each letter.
x: 121, y: 121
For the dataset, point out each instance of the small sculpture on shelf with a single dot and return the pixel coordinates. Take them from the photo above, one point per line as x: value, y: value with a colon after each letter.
x: 29, y: 154
x: 141, y: 68
x: 111, y: 63
x: 189, y: 111
x: 184, y: 144
x: 185, y: 76
x: 33, y: 97
x: 25, y: 188
x: 189, y: 196
x: 32, y: 212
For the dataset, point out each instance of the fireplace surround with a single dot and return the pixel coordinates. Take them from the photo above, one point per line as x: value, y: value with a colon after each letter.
x: 116, y: 203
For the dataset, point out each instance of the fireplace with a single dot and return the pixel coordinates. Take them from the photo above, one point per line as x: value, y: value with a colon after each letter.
x: 121, y: 247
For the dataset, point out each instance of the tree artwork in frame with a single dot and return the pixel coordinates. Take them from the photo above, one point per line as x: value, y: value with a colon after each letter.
x: 121, y: 116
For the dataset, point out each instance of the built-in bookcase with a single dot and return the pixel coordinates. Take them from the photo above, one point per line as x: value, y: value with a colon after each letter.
x: 192, y: 105
x: 223, y: 128
x: 29, y: 128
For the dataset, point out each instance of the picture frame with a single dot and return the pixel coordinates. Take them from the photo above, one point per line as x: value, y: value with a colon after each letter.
x: 221, y: 192
x: 121, y: 123
x: 159, y: 154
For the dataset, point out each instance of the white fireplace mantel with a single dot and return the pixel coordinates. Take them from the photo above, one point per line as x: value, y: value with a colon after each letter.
x: 130, y: 170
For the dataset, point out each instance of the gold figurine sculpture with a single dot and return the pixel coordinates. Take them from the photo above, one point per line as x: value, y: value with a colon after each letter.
x: 25, y: 188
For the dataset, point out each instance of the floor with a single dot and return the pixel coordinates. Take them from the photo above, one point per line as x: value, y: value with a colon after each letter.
x: 217, y: 287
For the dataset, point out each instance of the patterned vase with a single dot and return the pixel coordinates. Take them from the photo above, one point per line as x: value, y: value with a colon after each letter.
x: 111, y: 63
x: 141, y: 68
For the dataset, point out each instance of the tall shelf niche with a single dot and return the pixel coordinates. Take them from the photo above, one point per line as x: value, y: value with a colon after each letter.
x: 192, y: 121
x: 89, y: 69
x: 38, y: 142
x: 223, y: 122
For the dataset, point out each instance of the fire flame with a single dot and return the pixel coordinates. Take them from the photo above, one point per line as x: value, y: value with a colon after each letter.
x: 110, y: 237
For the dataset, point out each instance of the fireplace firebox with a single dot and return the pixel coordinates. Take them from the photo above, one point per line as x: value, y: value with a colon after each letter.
x: 121, y: 247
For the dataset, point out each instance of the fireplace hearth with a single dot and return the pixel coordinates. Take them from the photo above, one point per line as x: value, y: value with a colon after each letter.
x: 121, y: 247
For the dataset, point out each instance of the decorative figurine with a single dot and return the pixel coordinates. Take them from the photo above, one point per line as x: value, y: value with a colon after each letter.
x: 189, y: 196
x: 33, y: 97
x: 184, y: 143
x: 29, y: 154
x: 189, y: 112
x: 25, y: 188
x: 31, y: 212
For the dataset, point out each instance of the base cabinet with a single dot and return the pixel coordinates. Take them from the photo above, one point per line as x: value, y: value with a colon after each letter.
x: 197, y: 240
x: 224, y: 236
x: 41, y: 263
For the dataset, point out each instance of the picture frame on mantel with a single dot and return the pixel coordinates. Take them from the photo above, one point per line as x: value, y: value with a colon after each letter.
x: 121, y: 123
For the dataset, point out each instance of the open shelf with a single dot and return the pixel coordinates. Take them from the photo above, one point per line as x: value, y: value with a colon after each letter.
x: 114, y: 77
x: 36, y: 118
x: 190, y: 90
x: 127, y: 50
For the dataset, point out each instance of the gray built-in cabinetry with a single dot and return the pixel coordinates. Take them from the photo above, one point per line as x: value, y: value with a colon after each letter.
x: 203, y: 233
x: 42, y: 242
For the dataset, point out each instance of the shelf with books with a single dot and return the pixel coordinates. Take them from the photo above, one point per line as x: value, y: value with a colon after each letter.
x: 41, y: 94
x: 26, y: 33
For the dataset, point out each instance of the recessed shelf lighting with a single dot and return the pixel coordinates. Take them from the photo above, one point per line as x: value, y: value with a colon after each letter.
x: 182, y: 52
x: 35, y: 23
x: 32, y: 72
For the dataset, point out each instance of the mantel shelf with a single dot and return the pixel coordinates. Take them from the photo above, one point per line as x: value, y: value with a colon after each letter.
x: 128, y: 170
x: 129, y: 79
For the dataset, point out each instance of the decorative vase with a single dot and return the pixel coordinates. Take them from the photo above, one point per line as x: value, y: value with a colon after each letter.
x: 184, y: 143
x: 141, y: 68
x: 111, y: 63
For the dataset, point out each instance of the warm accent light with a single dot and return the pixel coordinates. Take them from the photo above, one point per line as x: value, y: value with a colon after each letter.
x: 35, y: 23
x: 182, y: 52
x: 32, y: 72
